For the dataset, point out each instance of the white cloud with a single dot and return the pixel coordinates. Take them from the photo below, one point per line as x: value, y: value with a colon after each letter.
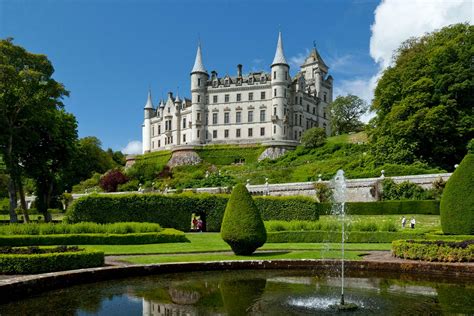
x: 133, y: 148
x: 298, y: 60
x: 340, y: 63
x: 397, y: 21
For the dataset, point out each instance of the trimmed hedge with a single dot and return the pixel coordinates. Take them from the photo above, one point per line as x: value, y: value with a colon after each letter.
x: 443, y: 251
x: 176, y: 210
x: 49, y: 262
x: 427, y: 207
x: 457, y: 201
x: 166, y: 236
x: 242, y: 225
x: 335, y: 237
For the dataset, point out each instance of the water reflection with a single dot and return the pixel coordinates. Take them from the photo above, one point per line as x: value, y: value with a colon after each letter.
x: 250, y: 293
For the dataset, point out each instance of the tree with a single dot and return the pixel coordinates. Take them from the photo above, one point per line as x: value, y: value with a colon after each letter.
x: 424, y: 102
x: 28, y: 95
x: 314, y: 137
x: 111, y: 180
x: 345, y: 114
x: 242, y: 226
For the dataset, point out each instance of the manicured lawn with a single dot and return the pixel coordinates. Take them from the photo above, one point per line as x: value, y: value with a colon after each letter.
x: 33, y: 217
x: 272, y: 255
x: 212, y: 242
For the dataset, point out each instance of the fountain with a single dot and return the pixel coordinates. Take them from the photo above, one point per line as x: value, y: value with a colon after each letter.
x: 338, y: 209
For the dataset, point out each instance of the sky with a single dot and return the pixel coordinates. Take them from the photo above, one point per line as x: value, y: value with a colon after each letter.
x: 108, y: 53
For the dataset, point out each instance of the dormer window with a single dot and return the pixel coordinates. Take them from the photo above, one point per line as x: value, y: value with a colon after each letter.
x: 169, y: 109
x: 262, y: 79
x: 250, y: 80
x: 215, y: 83
x: 226, y: 82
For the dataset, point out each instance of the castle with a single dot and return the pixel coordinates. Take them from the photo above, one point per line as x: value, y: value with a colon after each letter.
x: 271, y: 109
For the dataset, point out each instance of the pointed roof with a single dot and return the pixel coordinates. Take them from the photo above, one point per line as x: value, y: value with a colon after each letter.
x: 177, y: 99
x: 162, y: 104
x: 149, y: 103
x: 315, y: 57
x: 198, y: 65
x: 279, y: 55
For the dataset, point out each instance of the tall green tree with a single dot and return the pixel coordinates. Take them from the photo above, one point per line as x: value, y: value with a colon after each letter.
x: 424, y: 102
x: 345, y: 114
x: 29, y: 98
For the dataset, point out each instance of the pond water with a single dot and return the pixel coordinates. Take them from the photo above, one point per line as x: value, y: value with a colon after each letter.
x: 274, y: 292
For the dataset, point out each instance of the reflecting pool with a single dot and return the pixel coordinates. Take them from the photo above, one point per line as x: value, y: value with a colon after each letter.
x: 271, y: 292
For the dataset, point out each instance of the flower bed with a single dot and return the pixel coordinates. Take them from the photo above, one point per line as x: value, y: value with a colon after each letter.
x: 436, y: 250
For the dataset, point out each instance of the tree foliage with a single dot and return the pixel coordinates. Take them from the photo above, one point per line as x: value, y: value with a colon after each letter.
x: 345, y: 114
x: 31, y: 120
x: 112, y: 179
x: 424, y: 102
x: 314, y: 137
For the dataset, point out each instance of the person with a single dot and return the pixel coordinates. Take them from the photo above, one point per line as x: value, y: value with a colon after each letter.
x: 404, y: 221
x: 194, y: 223
x: 199, y: 225
x: 412, y: 222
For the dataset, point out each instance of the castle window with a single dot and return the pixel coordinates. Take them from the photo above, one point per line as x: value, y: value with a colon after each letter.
x: 214, y: 134
x: 285, y: 93
x: 207, y: 99
x: 296, y: 100
x: 238, y: 117
x: 250, y: 80
x: 152, y: 144
x: 184, y: 122
x: 198, y: 134
x: 214, y: 118
x: 153, y: 130
x: 296, y: 135
x: 239, y: 97
x: 169, y: 110
x: 159, y: 130
x: 215, y: 83
x: 262, y: 95
x: 286, y: 75
x: 274, y: 111
x: 314, y: 110
x: 262, y: 79
x: 274, y: 92
x: 226, y: 82
x: 300, y: 134
x: 226, y: 98
x: 307, y: 108
x: 296, y: 118
x: 198, y: 118
x: 250, y: 96
x: 159, y: 143
x: 198, y: 98
x: 262, y: 115
x: 262, y: 131
x: 274, y: 129
x: 199, y: 82
x: 325, y: 96
x: 207, y: 119
x: 324, y: 114
x: 214, y: 99
x: 237, y: 133
x: 226, y: 133
x: 301, y: 119
x: 184, y: 138
x: 274, y: 75
x: 226, y: 118
x: 250, y: 132
x: 250, y: 117
x: 301, y: 100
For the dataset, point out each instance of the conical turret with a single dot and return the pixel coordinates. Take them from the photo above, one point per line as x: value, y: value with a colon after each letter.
x: 149, y: 103
x: 279, y: 55
x: 198, y: 65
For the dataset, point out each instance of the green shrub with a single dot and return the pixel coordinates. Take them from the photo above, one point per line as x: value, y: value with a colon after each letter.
x: 49, y: 262
x: 131, y: 185
x: 4, y: 205
x: 314, y: 137
x: 79, y: 228
x: 166, y: 236
x: 335, y: 237
x: 404, y: 191
x: 175, y: 211
x: 228, y: 154
x: 242, y: 226
x: 445, y: 251
x: 457, y: 202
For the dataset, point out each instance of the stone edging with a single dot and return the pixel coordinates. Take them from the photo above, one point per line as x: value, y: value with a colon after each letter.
x: 24, y: 286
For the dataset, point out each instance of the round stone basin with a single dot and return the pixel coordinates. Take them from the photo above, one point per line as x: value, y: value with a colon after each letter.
x: 252, y: 292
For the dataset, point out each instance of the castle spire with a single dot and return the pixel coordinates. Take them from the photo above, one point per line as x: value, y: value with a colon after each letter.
x: 198, y: 65
x: 279, y: 55
x: 149, y: 103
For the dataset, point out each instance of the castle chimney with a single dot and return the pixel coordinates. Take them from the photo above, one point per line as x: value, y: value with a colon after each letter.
x: 170, y: 95
x: 239, y: 70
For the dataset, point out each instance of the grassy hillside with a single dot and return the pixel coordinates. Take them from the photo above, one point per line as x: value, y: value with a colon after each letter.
x: 227, y: 165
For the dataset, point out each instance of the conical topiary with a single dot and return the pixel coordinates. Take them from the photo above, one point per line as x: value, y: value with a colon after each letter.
x: 457, y: 201
x: 242, y: 227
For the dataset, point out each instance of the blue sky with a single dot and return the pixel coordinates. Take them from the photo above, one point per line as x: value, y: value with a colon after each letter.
x: 108, y: 52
